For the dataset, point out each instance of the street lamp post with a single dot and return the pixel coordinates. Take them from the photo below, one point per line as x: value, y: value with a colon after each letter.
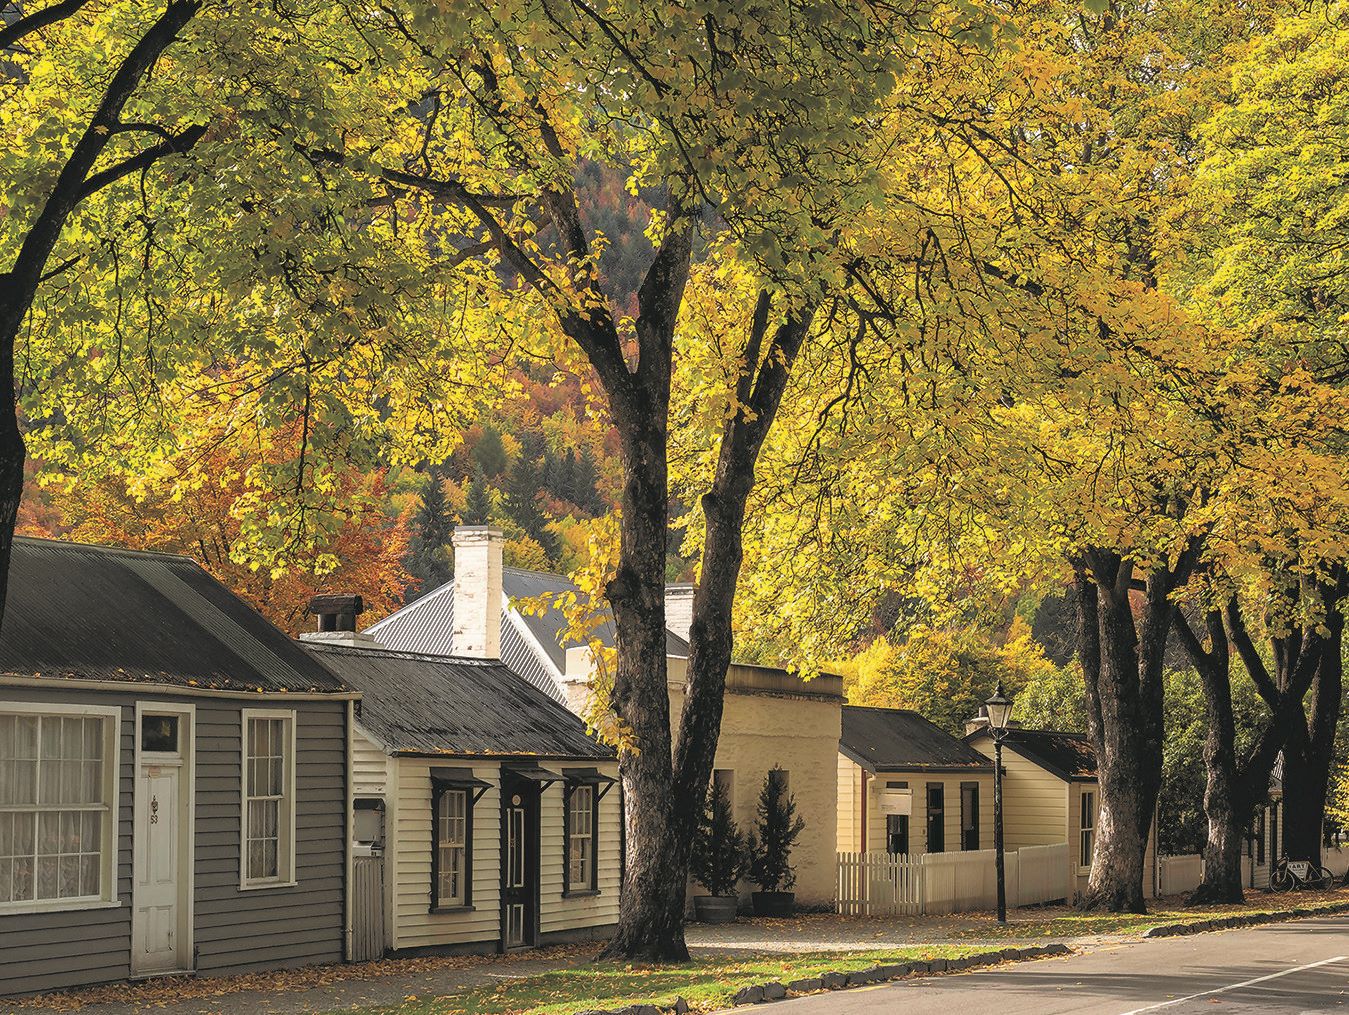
x: 999, y: 708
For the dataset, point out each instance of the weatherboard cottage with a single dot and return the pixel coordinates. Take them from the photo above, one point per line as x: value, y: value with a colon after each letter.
x: 173, y: 790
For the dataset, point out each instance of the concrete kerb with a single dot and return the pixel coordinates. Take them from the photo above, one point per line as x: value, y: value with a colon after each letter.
x: 1249, y: 920
x: 761, y: 993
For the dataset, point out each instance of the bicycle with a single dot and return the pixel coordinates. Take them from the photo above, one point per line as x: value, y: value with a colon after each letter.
x: 1300, y: 874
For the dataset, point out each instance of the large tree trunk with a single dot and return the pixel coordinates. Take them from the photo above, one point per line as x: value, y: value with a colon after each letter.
x: 651, y: 917
x: 12, y: 450
x: 1309, y: 753
x: 759, y: 390
x: 1122, y: 667
x: 1225, y: 808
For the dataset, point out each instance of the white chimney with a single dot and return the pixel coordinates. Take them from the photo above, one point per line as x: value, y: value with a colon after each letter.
x: 576, y: 680
x: 477, y: 591
x: 679, y: 609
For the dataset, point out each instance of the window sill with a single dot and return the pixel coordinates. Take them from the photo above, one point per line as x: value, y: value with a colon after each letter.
x: 581, y: 893
x: 450, y: 910
x: 259, y: 886
x: 55, y: 906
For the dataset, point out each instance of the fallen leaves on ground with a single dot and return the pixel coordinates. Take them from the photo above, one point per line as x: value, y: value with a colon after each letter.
x: 169, y: 990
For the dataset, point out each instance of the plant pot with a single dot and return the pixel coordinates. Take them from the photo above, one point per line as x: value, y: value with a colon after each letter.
x: 774, y: 903
x: 715, y: 908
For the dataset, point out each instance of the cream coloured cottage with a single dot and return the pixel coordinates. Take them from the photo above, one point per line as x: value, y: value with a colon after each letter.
x: 771, y: 718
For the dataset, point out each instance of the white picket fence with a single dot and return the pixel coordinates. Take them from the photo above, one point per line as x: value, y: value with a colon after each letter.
x: 1181, y: 874
x: 1336, y: 858
x: 890, y: 884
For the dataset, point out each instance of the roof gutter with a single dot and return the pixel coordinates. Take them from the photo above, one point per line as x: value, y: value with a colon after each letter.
x: 163, y: 687
x: 454, y: 756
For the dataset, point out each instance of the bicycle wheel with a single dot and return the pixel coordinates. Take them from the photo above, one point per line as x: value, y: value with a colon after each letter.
x: 1281, y: 881
x: 1326, y: 877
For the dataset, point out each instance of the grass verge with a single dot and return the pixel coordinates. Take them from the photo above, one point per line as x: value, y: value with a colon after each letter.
x: 1060, y: 924
x: 705, y: 983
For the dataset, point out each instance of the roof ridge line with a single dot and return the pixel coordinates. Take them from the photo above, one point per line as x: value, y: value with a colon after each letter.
x: 129, y: 551
x: 434, y: 657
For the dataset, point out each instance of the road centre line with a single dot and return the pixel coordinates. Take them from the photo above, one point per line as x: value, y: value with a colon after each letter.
x: 1235, y: 986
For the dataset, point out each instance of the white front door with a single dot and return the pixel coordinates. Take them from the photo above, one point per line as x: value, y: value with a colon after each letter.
x: 162, y: 869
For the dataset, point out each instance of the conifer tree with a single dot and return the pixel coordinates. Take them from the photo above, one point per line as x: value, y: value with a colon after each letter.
x: 478, y: 504
x: 429, y: 559
x: 490, y: 454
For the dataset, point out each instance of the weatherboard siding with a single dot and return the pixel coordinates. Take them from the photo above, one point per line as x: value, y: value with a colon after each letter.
x: 414, y: 925
x: 234, y: 931
x: 41, y: 952
x: 1035, y: 802
x: 272, y: 928
x: 369, y: 766
x: 849, y: 805
x: 558, y: 914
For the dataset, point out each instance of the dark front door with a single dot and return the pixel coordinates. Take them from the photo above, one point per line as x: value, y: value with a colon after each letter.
x: 519, y: 861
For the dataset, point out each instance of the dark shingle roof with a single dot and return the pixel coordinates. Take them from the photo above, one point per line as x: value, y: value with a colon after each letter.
x: 895, y: 739
x: 437, y: 705
x: 100, y: 613
x: 1070, y: 756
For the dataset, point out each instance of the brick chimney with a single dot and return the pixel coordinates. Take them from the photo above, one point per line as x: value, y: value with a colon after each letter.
x: 679, y: 609
x: 477, y: 591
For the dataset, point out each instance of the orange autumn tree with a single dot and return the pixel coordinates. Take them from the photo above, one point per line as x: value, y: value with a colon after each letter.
x: 205, y: 506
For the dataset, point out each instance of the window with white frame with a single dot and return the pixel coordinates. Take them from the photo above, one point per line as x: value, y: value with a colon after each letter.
x: 1088, y: 843
x: 58, y: 778
x: 581, y: 838
x: 269, y: 798
x: 452, y: 812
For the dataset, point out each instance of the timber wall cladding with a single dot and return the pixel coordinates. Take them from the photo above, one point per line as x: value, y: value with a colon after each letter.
x: 271, y: 928
x: 918, y: 784
x: 1035, y: 802
x: 410, y: 846
x: 234, y: 931
x: 415, y: 927
x: 558, y: 913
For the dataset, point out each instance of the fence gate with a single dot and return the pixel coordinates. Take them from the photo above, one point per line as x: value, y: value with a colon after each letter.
x: 879, y: 884
x: 367, y: 908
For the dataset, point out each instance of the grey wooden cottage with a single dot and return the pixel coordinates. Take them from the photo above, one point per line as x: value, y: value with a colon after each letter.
x: 173, y: 777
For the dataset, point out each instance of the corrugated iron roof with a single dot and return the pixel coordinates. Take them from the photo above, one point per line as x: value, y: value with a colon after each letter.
x: 427, y: 626
x: 1070, y: 756
x: 436, y: 705
x: 898, y: 739
x: 77, y: 611
x: 549, y: 627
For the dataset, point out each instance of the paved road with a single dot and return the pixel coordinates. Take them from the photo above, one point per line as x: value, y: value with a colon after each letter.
x: 1301, y: 966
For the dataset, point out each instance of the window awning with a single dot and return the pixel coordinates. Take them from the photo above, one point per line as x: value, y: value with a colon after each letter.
x: 590, y: 777
x: 459, y: 778
x: 532, y: 773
